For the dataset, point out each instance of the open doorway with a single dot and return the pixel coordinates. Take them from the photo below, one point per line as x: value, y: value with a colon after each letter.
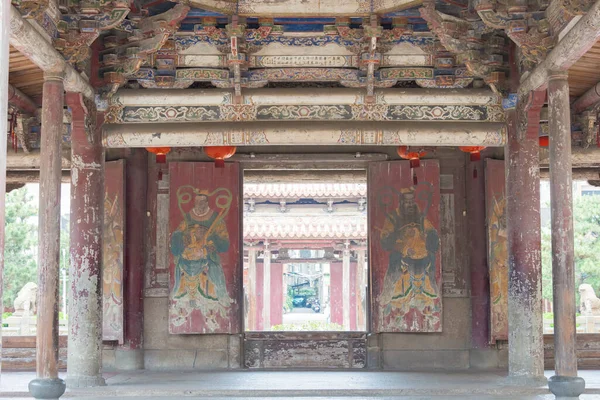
x: 305, y: 251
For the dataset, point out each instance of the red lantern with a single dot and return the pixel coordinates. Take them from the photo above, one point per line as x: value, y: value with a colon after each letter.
x: 219, y: 154
x: 475, y: 151
x: 414, y: 157
x: 475, y: 155
x: 544, y: 141
x: 161, y: 153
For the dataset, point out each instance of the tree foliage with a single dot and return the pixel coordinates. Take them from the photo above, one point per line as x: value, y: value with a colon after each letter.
x: 20, y: 252
x: 586, y: 226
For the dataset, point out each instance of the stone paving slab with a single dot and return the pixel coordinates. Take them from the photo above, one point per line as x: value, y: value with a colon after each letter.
x: 302, y: 384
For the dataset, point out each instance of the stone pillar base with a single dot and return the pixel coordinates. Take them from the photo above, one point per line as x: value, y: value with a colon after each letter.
x: 49, y: 389
x: 85, y: 381
x: 566, y: 387
x: 129, y: 360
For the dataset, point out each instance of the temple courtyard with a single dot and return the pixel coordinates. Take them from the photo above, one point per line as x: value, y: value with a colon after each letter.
x: 304, y: 385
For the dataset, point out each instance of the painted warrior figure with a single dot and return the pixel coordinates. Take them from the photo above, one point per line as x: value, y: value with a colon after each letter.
x: 199, y: 277
x: 410, y: 284
x: 112, y: 269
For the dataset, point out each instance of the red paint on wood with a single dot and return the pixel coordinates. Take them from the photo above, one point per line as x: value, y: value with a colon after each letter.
x: 49, y: 229
x: 113, y: 251
x: 276, y: 294
x: 336, y: 300
x: 405, y: 255
x: 353, y: 296
x: 480, y: 287
x: 259, y: 296
x: 136, y: 189
x: 205, y: 266
x: 497, y: 247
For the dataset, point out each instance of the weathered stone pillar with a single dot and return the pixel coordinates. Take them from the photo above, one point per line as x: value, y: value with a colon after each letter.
x: 130, y: 356
x: 4, y: 57
x: 47, y: 385
x: 266, y: 311
x: 565, y: 384
x: 346, y: 287
x: 525, y: 325
x: 87, y: 217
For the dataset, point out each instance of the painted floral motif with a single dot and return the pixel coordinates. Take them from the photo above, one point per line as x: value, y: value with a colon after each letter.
x: 311, y: 112
x: 437, y: 113
x: 163, y: 114
x: 238, y: 112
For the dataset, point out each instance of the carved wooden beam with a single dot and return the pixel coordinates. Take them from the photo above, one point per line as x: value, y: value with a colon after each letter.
x: 301, y: 134
x: 34, y: 46
x: 574, y: 44
x: 20, y: 100
x: 483, y: 55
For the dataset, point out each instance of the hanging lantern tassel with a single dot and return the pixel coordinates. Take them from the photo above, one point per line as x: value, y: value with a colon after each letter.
x: 474, y: 155
x: 160, y: 152
x: 415, y: 160
x: 219, y: 154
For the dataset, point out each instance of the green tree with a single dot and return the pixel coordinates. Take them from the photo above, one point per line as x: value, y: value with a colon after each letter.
x: 20, y: 261
x: 586, y: 226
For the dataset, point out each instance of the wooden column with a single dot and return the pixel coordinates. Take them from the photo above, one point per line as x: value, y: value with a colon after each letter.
x: 346, y: 288
x: 565, y: 384
x: 47, y: 385
x: 336, y: 297
x: 251, y: 290
x: 360, y: 289
x: 87, y: 217
x: 4, y: 56
x: 266, y: 310
x: 276, y: 292
x: 526, y: 347
x: 130, y: 355
x: 480, y: 277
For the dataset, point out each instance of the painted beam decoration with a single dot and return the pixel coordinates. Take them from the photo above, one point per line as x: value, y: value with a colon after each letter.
x: 113, y: 257
x: 497, y: 244
x: 405, y: 254
x: 205, y: 270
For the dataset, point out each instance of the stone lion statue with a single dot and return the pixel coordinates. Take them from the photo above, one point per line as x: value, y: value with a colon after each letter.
x: 589, y: 304
x: 26, y: 299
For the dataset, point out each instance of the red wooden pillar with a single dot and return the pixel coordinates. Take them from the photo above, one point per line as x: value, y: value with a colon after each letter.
x: 480, y: 277
x: 336, y: 301
x: 87, y: 217
x: 4, y: 56
x: 353, y: 297
x: 130, y: 356
x: 565, y: 383
x: 525, y: 337
x: 47, y: 384
x: 259, y: 296
x: 276, y: 294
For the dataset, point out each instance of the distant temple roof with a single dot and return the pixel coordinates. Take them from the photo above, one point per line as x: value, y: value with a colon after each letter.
x: 334, y: 226
x: 304, y: 190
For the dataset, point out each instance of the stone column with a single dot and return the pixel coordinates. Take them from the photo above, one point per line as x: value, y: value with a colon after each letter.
x: 87, y: 217
x: 4, y: 57
x: 565, y: 384
x: 266, y: 311
x: 130, y: 355
x: 526, y: 346
x: 47, y: 385
x: 346, y: 288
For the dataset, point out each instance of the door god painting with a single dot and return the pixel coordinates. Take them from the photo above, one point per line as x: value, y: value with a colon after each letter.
x: 204, y: 250
x: 405, y: 248
x: 495, y: 204
x: 113, y: 251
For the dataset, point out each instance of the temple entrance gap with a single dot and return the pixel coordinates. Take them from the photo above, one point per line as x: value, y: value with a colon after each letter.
x: 305, y: 252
